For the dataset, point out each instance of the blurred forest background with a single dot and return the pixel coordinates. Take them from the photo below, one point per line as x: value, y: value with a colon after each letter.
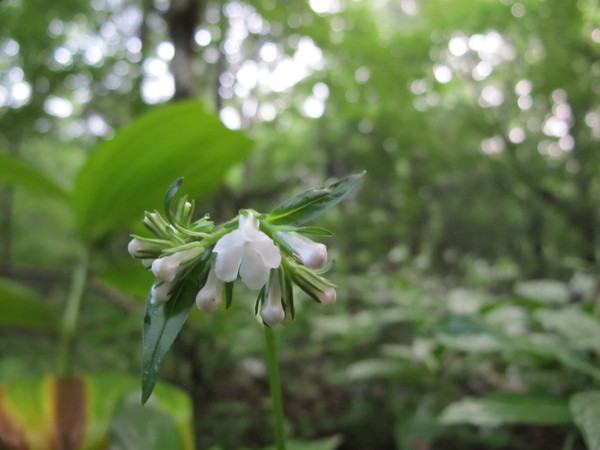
x: 468, y: 312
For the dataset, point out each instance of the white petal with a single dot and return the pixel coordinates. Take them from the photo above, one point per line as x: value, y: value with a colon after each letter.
x: 228, y: 263
x: 253, y: 271
x: 269, y: 252
x: 230, y: 240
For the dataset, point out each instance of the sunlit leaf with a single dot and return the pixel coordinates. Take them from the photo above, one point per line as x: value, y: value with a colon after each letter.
x: 77, y: 411
x: 581, y: 330
x: 507, y: 408
x: 130, y: 173
x: 585, y: 407
x: 312, y: 203
x: 17, y: 172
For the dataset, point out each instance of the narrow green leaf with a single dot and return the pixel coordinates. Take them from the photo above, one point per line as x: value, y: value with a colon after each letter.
x: 20, y: 173
x: 317, y: 231
x: 19, y: 306
x: 314, y: 202
x: 163, y: 321
x: 585, y: 407
x: 228, y: 293
x: 130, y: 173
x: 508, y: 408
x: 171, y: 193
x: 288, y: 292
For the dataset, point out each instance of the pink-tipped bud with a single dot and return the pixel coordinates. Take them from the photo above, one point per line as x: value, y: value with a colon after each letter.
x: 312, y: 254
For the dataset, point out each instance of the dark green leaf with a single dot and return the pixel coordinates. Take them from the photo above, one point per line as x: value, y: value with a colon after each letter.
x: 585, y: 407
x: 130, y: 174
x: 163, y: 321
x: 328, y: 443
x: 314, y: 202
x: 171, y: 193
x: 508, y: 408
x: 228, y: 293
x: 20, y: 173
x: 20, y: 306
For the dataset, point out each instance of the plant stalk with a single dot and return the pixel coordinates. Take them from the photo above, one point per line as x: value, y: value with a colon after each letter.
x: 275, y: 384
x: 71, y: 313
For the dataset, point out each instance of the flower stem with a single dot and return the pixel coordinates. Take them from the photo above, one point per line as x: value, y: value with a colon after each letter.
x: 71, y: 314
x: 275, y: 384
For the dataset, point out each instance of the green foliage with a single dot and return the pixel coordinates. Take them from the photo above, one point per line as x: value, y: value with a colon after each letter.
x: 310, y: 204
x: 142, y: 160
x: 22, y: 307
x: 585, y: 407
x: 503, y: 408
x: 19, y: 173
x: 164, y: 320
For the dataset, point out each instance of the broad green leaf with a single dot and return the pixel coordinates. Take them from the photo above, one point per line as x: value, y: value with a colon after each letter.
x: 548, y: 347
x: 20, y: 173
x: 585, y: 407
x: 370, y: 369
x: 137, y: 427
x: 581, y: 330
x: 507, y: 408
x: 312, y: 203
x: 130, y: 173
x: 163, y: 321
x: 545, y: 291
x: 19, y: 306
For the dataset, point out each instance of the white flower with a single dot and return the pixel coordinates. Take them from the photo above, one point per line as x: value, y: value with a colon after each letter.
x: 248, y: 251
x: 161, y: 292
x: 311, y: 253
x: 168, y: 267
x: 272, y: 311
x: 209, y: 297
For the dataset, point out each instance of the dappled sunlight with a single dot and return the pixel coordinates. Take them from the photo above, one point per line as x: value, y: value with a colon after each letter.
x: 465, y: 260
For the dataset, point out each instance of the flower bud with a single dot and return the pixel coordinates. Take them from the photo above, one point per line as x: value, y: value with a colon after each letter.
x: 168, y: 267
x: 209, y: 297
x: 312, y: 254
x: 272, y: 311
x: 160, y: 292
x: 138, y: 248
x: 315, y: 286
x: 328, y: 296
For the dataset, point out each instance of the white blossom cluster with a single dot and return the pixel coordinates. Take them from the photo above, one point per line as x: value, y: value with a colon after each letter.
x: 265, y: 257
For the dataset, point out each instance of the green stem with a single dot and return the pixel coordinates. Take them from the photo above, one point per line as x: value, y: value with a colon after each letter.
x: 71, y: 314
x: 275, y: 384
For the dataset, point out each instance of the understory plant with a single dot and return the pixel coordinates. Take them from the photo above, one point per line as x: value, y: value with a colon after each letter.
x: 195, y: 261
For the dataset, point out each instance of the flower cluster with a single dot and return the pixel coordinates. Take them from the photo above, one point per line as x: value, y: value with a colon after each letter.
x: 266, y: 257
